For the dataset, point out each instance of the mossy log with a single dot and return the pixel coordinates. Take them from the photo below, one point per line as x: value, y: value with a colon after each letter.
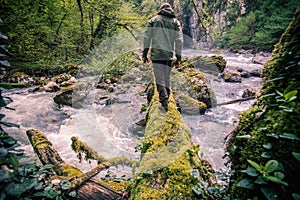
x: 86, y: 189
x: 81, y: 148
x: 169, y: 165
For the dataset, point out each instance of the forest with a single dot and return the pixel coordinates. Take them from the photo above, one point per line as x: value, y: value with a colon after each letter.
x: 67, y: 60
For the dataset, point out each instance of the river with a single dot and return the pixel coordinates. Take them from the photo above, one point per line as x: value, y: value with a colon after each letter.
x: 106, y: 128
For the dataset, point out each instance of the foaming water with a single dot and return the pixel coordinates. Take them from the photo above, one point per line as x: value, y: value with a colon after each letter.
x: 106, y: 127
x: 211, y: 130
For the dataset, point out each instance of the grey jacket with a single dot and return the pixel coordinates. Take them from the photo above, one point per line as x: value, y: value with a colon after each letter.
x: 163, y: 36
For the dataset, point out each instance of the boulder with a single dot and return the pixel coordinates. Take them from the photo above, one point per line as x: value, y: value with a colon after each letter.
x: 244, y: 73
x: 60, y: 78
x: 51, y: 87
x: 201, y: 89
x: 232, y: 77
x: 214, y: 64
x: 71, y: 95
x: 189, y: 105
x: 256, y: 73
x: 261, y: 58
x: 21, y: 78
x: 249, y: 93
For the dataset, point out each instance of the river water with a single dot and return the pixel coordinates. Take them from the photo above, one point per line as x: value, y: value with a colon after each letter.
x: 106, y: 128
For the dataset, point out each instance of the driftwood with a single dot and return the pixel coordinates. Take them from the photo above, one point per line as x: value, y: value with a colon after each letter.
x: 86, y: 189
x: 236, y: 101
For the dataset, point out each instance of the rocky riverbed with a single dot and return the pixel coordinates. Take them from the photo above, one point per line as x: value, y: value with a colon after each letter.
x: 108, y: 110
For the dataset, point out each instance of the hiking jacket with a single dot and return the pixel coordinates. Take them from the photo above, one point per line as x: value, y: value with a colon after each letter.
x: 163, y: 36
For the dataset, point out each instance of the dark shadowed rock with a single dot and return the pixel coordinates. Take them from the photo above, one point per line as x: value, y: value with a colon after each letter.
x: 256, y: 73
x: 71, y: 95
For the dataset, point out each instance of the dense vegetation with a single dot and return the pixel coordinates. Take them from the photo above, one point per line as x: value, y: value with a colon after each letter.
x: 58, y: 31
x: 260, y: 26
x: 265, y: 148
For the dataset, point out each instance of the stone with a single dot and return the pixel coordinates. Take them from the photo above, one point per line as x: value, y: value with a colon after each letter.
x: 71, y: 95
x: 245, y: 74
x: 232, y: 77
x: 256, y: 73
x: 21, y: 78
x: 249, y: 93
x: 189, y: 105
x: 61, y: 78
x: 71, y: 81
x: 51, y: 87
x: 260, y: 58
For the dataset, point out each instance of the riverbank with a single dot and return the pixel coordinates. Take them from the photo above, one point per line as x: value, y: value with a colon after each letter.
x: 106, y: 128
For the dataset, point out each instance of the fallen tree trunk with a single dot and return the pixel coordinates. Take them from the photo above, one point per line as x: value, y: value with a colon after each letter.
x: 236, y: 101
x: 86, y: 189
x: 170, y: 167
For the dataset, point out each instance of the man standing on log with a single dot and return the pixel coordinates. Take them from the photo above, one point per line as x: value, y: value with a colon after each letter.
x: 164, y: 36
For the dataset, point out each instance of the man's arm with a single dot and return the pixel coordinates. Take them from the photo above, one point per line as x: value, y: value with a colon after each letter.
x: 147, y: 42
x: 178, y: 42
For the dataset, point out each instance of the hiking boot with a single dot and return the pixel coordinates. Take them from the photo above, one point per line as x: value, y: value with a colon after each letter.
x: 165, y: 105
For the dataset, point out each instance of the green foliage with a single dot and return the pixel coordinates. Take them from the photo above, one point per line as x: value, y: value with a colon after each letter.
x: 261, y: 26
x: 263, y: 176
x: 52, y: 31
x: 266, y: 159
x: 287, y: 101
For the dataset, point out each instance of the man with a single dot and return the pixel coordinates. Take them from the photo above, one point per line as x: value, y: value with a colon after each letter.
x: 164, y: 36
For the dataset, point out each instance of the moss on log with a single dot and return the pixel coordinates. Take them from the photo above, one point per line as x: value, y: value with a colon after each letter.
x: 90, y: 154
x: 86, y: 189
x: 168, y: 158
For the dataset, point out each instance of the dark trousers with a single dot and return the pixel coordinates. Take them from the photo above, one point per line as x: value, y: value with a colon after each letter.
x: 162, y: 72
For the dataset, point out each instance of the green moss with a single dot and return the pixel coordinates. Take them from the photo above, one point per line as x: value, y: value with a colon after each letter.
x: 189, y: 105
x: 38, y: 139
x: 120, y: 186
x: 90, y: 154
x: 168, y: 157
x: 67, y: 170
x: 274, y: 122
x: 214, y: 64
x: 13, y: 85
x: 82, y: 148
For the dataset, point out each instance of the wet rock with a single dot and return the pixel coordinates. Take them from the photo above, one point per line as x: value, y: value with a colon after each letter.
x: 51, y: 87
x: 214, y: 64
x: 71, y: 95
x: 200, y: 88
x: 244, y: 73
x: 102, y: 85
x: 71, y: 81
x: 128, y: 78
x: 111, y: 89
x: 111, y: 101
x: 261, y: 58
x: 256, y: 73
x: 250, y: 93
x: 138, y: 129
x: 232, y: 77
x: 189, y: 105
x: 19, y: 77
x: 61, y: 78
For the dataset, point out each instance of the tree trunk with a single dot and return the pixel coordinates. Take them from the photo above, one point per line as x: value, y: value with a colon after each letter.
x: 170, y: 167
x: 86, y: 189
